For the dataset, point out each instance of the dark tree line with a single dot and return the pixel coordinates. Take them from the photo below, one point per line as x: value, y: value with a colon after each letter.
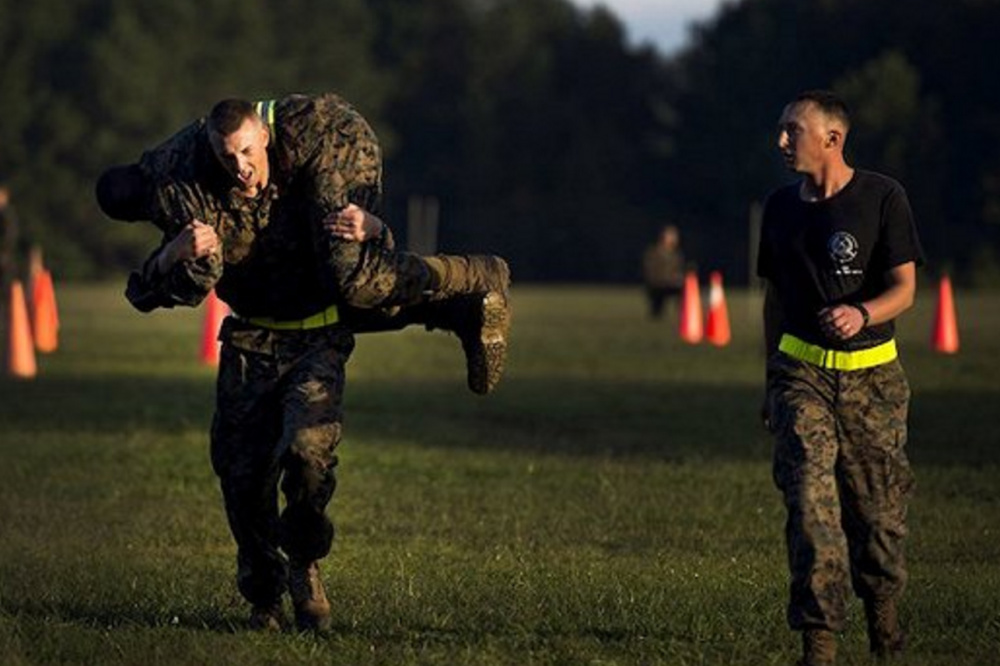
x: 542, y: 133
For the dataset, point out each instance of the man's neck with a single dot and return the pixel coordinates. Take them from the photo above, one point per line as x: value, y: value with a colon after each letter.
x: 826, y: 183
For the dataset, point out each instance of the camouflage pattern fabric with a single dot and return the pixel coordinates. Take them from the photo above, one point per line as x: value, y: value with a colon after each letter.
x: 840, y: 463
x: 277, y: 260
x: 279, y: 415
x: 330, y: 157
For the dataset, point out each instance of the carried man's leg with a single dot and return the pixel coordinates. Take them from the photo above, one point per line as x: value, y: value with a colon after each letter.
x: 473, y: 303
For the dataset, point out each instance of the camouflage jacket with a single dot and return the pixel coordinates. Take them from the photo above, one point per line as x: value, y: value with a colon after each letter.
x: 276, y: 259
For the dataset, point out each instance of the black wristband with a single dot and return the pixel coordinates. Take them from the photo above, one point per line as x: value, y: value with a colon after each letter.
x: 864, y: 313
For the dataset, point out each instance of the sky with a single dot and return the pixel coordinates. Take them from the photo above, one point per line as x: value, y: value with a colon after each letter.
x: 663, y: 23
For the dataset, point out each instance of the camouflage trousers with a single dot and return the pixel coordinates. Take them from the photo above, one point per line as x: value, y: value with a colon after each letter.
x: 840, y: 463
x: 369, y: 276
x: 279, y: 410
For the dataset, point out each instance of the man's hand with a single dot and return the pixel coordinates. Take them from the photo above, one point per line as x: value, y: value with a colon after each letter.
x: 353, y: 224
x: 195, y: 240
x: 841, y: 322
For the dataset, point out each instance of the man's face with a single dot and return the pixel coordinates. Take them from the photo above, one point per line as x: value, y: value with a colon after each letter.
x: 243, y: 154
x: 803, y: 137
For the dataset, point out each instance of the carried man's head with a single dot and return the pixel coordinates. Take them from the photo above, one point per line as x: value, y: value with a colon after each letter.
x: 123, y: 193
x: 239, y: 140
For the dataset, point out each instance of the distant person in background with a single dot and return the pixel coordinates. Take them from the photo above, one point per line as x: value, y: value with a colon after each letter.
x: 663, y: 270
x: 9, y: 239
x: 839, y: 251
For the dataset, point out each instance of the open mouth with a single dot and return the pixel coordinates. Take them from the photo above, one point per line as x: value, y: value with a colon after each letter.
x: 245, y: 178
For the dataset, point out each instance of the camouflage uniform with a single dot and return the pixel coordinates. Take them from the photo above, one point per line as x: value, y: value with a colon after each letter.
x: 279, y: 392
x: 846, y: 483
x: 279, y: 412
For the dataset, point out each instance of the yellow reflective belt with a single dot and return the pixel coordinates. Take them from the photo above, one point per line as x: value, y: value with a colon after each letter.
x: 327, y: 317
x: 265, y: 109
x: 833, y: 359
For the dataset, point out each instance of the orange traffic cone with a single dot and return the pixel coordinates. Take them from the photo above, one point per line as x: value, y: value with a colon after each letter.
x: 215, y: 312
x: 45, y: 315
x: 944, y: 337
x: 691, y: 329
x: 20, y: 347
x: 717, y: 329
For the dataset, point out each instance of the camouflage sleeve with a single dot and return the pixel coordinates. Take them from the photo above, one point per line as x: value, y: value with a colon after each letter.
x: 187, y: 282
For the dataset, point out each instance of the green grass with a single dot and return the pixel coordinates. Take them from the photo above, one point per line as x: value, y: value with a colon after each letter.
x: 610, y: 504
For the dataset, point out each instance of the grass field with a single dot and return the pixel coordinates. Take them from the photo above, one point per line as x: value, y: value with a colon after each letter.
x: 610, y: 504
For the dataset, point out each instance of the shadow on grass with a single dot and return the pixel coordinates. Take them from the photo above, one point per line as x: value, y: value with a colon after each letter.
x: 660, y: 420
x: 567, y: 417
x: 110, y: 404
x: 110, y: 616
x: 672, y: 421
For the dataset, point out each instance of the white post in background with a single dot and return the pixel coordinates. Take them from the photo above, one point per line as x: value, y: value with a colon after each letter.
x: 422, y: 225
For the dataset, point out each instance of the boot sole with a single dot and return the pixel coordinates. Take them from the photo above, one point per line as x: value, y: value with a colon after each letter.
x: 487, y: 359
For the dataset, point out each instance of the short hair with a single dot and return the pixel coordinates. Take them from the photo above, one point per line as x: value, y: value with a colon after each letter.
x: 229, y: 115
x: 123, y: 193
x: 829, y: 103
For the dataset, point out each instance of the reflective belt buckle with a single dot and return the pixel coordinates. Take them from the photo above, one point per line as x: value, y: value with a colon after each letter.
x: 327, y: 317
x: 834, y: 359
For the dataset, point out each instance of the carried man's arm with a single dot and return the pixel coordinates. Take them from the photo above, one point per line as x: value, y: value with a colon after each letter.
x: 188, y: 263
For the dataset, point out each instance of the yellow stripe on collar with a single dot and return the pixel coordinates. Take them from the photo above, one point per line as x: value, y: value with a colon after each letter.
x: 265, y: 109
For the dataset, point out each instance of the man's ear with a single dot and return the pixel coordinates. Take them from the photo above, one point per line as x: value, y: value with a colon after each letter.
x: 834, y: 138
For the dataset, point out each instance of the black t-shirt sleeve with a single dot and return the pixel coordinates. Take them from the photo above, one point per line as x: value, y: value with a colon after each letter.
x: 900, y: 243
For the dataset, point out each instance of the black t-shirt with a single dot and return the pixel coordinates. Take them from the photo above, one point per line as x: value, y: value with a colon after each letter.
x: 838, y: 250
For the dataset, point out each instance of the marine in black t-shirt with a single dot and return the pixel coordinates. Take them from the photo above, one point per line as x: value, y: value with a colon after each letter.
x: 839, y: 250
x: 836, y: 250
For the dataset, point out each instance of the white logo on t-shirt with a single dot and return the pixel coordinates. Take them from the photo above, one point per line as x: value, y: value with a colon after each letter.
x: 843, y: 248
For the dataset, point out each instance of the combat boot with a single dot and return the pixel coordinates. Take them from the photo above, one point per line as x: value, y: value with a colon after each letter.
x: 819, y: 648
x: 885, y: 638
x: 267, y: 617
x: 473, y: 274
x: 312, y: 610
x: 482, y: 324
